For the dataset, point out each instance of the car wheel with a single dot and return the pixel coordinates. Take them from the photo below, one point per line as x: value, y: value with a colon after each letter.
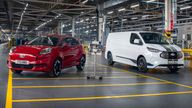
x: 56, y: 68
x: 17, y: 71
x: 81, y: 65
x: 142, y: 65
x: 173, y: 69
x: 110, y: 59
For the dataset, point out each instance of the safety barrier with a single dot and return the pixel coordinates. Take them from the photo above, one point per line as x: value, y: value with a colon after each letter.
x: 187, y: 53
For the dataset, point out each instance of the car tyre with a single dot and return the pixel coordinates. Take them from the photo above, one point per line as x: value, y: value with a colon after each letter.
x: 142, y: 65
x: 56, y: 71
x: 81, y: 65
x: 110, y: 59
x: 17, y: 71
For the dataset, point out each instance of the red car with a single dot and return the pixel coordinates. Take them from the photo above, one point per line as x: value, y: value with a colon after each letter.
x: 47, y: 54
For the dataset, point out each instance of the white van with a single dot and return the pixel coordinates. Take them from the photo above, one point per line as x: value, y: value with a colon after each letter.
x: 144, y: 50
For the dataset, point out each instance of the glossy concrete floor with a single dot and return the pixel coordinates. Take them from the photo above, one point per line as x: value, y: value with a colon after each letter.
x: 121, y: 87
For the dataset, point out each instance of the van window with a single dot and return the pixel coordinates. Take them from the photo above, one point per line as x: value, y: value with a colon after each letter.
x: 154, y: 38
x: 133, y: 37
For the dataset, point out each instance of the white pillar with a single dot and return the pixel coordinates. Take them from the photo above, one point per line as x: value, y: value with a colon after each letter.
x: 100, y: 29
x: 73, y: 27
x: 168, y: 15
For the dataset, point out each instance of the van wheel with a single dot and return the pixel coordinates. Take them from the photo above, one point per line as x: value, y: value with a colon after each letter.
x: 56, y: 68
x: 110, y: 59
x: 142, y: 65
x: 173, y: 69
x: 81, y: 65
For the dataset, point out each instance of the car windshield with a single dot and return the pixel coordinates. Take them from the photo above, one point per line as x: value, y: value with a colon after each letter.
x: 48, y: 41
x: 154, y: 38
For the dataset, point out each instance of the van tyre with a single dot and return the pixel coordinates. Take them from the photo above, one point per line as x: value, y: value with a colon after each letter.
x: 142, y: 65
x: 173, y: 69
x: 110, y: 59
x: 17, y: 71
x: 56, y: 68
x: 81, y: 65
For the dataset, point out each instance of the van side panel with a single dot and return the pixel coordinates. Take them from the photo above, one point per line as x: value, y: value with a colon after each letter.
x: 119, y: 45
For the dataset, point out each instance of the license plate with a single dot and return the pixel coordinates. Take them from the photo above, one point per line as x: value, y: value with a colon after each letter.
x: 23, y: 62
x: 173, y: 62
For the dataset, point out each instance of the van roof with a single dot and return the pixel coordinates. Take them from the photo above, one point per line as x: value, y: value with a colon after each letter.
x: 135, y: 32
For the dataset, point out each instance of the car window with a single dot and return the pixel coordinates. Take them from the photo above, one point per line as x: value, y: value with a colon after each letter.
x: 133, y: 37
x: 67, y: 40
x: 71, y: 41
x: 50, y: 41
x: 74, y: 42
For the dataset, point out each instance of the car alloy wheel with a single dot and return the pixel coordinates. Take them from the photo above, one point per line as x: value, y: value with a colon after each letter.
x: 57, y: 68
x: 81, y: 65
x: 142, y: 65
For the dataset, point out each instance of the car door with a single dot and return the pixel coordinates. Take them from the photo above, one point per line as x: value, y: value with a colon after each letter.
x: 76, y: 50
x: 66, y: 52
x: 135, y: 49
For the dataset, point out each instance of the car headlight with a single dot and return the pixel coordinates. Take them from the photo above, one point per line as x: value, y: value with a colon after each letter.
x: 46, y: 51
x: 164, y: 55
x: 179, y: 55
x: 153, y: 50
x: 12, y: 49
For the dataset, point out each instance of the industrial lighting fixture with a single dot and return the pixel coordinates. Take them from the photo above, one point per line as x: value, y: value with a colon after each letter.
x: 186, y: 7
x: 47, y: 22
x: 124, y: 19
x: 134, y: 6
x: 21, y: 18
x: 150, y: 1
x: 122, y: 9
x: 85, y: 1
x: 93, y: 17
x: 115, y: 21
x: 134, y: 18
x: 110, y: 12
x: 87, y: 19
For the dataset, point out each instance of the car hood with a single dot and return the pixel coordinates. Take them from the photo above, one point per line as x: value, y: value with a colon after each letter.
x: 30, y: 49
x: 165, y: 47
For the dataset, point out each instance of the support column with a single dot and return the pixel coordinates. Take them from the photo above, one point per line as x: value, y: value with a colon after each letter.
x: 73, y: 27
x: 170, y: 16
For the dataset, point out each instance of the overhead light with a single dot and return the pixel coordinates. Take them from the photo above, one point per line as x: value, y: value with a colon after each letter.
x: 82, y: 21
x: 63, y: 25
x: 122, y: 9
x: 186, y: 7
x: 115, y: 21
x: 85, y: 1
x: 134, y: 18
x: 93, y: 17
x: 110, y: 12
x: 124, y: 19
x: 134, y: 6
x: 150, y: 1
x: 87, y: 19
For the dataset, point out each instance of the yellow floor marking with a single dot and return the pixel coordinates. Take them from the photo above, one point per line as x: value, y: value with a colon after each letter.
x: 74, y: 78
x: 9, y: 91
x: 102, y: 97
x: 154, y: 78
x: 95, y: 85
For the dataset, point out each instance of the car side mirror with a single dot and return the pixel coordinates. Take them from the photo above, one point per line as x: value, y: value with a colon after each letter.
x: 136, y: 41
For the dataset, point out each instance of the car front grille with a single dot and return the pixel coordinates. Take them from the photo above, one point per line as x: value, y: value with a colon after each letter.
x: 30, y: 66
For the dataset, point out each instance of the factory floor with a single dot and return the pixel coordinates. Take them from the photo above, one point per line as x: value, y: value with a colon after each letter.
x: 121, y: 87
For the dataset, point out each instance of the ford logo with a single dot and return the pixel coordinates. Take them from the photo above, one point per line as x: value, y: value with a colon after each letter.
x: 172, y: 54
x: 22, y: 56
